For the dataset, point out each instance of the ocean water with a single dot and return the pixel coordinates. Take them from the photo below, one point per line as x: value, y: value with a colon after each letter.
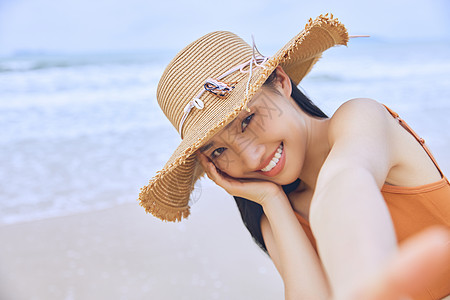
x: 84, y: 132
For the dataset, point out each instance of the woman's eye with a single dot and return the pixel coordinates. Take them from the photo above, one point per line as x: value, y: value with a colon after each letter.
x: 217, y: 152
x: 246, y: 121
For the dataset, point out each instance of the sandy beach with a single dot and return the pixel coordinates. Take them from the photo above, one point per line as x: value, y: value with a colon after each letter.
x: 122, y: 253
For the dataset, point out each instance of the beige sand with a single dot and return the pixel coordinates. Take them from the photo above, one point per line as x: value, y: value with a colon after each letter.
x: 122, y: 253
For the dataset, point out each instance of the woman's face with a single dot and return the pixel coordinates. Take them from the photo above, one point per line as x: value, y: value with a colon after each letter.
x: 267, y: 143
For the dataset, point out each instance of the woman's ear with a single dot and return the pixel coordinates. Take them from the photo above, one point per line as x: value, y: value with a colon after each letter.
x: 284, y: 82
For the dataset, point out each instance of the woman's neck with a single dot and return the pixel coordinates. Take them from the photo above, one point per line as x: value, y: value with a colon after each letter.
x: 317, y: 150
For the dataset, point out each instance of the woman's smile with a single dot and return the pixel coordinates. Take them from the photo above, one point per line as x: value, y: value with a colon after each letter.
x: 274, y: 163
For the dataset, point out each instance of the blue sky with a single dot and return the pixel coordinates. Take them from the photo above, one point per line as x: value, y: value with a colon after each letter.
x: 101, y: 25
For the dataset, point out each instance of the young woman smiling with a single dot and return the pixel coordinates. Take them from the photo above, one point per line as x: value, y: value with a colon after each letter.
x: 329, y: 199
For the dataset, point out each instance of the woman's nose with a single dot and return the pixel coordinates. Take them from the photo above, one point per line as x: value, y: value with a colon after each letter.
x: 250, y: 154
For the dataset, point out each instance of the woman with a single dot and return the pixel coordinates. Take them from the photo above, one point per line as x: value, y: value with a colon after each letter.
x: 328, y: 198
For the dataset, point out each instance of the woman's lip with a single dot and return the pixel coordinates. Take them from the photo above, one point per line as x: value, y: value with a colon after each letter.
x: 278, y: 167
x: 268, y: 159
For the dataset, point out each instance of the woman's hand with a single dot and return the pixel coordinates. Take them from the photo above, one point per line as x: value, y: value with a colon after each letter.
x: 419, y: 261
x: 259, y: 191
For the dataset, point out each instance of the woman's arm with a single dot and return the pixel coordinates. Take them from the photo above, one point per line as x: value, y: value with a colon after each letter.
x: 348, y: 215
x: 292, y: 252
x: 287, y: 243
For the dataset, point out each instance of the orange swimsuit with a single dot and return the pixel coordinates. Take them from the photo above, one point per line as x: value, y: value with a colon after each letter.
x: 413, y: 209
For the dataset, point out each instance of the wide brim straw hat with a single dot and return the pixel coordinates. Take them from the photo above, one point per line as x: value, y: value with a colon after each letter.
x: 198, y: 114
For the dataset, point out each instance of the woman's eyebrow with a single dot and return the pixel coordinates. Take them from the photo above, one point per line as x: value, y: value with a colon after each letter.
x: 206, y: 147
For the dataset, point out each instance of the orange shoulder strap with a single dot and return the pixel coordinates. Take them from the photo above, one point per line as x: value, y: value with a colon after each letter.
x: 418, y: 138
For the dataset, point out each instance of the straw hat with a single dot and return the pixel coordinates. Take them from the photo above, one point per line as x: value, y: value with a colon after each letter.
x: 207, y: 85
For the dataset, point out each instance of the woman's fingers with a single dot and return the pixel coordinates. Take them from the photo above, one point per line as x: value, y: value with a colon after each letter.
x: 256, y: 190
x: 232, y: 185
x: 213, y: 173
x: 206, y: 164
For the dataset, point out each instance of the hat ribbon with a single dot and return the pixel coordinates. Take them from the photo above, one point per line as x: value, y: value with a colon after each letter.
x: 222, y: 88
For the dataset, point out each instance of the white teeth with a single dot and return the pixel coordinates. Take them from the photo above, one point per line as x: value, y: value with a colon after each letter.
x: 273, y: 162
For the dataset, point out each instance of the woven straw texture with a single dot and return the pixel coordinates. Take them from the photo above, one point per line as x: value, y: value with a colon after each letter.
x: 167, y: 194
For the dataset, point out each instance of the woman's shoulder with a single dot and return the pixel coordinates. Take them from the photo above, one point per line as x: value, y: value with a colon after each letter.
x: 358, y: 108
x: 367, y: 126
x: 359, y: 116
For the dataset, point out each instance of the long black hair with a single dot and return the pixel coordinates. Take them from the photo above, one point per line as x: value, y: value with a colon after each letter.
x: 251, y: 212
